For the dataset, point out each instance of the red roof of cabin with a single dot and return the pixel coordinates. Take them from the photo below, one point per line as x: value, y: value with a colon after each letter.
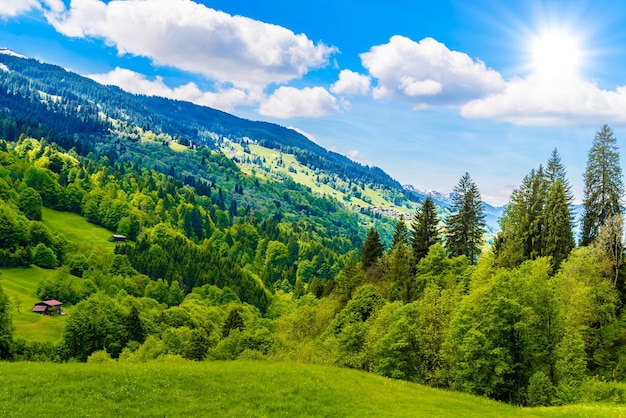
x: 40, y: 308
x: 52, y: 302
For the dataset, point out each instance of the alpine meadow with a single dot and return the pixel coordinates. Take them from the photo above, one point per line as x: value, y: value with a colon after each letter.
x: 162, y: 257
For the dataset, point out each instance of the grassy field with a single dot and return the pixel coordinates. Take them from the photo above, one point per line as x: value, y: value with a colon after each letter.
x: 239, y: 389
x: 77, y: 230
x: 304, y: 176
x: 20, y: 284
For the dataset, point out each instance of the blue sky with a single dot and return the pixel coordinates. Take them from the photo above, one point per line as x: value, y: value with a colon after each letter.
x: 425, y: 90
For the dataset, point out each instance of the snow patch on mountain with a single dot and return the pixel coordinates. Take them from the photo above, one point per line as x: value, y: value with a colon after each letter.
x: 7, y: 51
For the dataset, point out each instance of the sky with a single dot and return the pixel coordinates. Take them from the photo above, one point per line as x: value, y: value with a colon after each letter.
x: 425, y: 90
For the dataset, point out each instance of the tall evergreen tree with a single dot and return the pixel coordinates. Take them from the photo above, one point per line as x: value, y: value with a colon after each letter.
x: 401, y: 234
x: 372, y: 249
x: 604, y: 186
x: 424, y: 229
x: 559, y: 236
x: 466, y: 225
x: 555, y: 170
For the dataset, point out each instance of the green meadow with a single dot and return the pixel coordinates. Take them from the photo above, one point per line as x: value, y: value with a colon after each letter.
x: 178, y: 388
x: 76, y: 229
x: 20, y: 284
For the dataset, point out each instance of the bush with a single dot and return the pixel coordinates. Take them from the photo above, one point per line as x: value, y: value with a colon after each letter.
x: 44, y: 257
x: 99, y: 357
x: 599, y: 391
x: 540, y: 390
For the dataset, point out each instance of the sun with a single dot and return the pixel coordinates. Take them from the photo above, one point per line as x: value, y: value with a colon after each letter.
x: 555, y: 54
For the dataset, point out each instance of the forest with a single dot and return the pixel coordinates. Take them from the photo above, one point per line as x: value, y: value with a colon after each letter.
x: 229, y: 268
x: 224, y: 264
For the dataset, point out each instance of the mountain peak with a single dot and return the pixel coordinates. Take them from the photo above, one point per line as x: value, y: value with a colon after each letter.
x: 7, y: 51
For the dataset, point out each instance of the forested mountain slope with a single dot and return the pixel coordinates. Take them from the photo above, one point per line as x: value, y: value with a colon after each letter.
x: 38, y: 90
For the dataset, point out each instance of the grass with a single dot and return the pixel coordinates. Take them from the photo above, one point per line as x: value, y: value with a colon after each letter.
x: 240, y: 388
x: 305, y: 176
x: 77, y: 230
x: 20, y: 284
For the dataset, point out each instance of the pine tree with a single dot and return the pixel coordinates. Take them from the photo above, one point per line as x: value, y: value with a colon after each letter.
x: 372, y: 249
x: 604, y: 186
x: 559, y: 237
x: 555, y: 170
x: 234, y: 320
x: 466, y: 225
x: 424, y: 229
x: 401, y: 234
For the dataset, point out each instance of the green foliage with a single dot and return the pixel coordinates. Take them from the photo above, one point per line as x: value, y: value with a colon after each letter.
x: 366, y: 302
x: 97, y: 323
x: 538, y: 222
x: 604, y: 188
x: 372, y: 249
x: 424, y: 229
x: 466, y: 225
x: 44, y: 257
x: 540, y: 390
x: 233, y: 321
x: 6, y: 327
x: 401, y: 234
x: 30, y: 203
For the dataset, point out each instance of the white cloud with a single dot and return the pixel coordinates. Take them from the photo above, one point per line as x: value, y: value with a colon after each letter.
x: 538, y: 100
x: 137, y: 83
x: 12, y: 8
x: 351, y: 83
x: 356, y: 156
x: 309, y: 136
x: 427, y: 73
x: 181, y: 33
x: 288, y: 102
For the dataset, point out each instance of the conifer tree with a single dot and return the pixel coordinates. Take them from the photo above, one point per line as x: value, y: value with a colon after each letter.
x: 372, y: 249
x: 555, y: 170
x: 604, y: 186
x: 559, y: 237
x: 466, y: 225
x: 401, y: 234
x: 424, y: 229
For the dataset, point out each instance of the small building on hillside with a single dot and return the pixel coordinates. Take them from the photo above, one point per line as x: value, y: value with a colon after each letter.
x: 49, y: 307
x: 119, y: 238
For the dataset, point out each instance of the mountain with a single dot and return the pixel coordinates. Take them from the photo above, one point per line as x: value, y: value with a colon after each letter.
x: 80, y: 113
x: 50, y: 89
x: 443, y: 200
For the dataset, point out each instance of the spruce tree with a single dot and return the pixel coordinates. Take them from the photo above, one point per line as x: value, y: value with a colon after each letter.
x: 372, y: 249
x: 559, y: 237
x: 533, y: 223
x: 401, y: 234
x: 604, y: 186
x: 555, y: 170
x: 466, y: 225
x: 424, y: 229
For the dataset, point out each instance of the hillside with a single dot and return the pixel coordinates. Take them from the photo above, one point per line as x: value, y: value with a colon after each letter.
x: 244, y: 388
x: 78, y: 112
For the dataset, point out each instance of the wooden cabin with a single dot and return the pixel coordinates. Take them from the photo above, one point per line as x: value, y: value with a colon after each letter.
x: 49, y: 307
x: 119, y: 238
